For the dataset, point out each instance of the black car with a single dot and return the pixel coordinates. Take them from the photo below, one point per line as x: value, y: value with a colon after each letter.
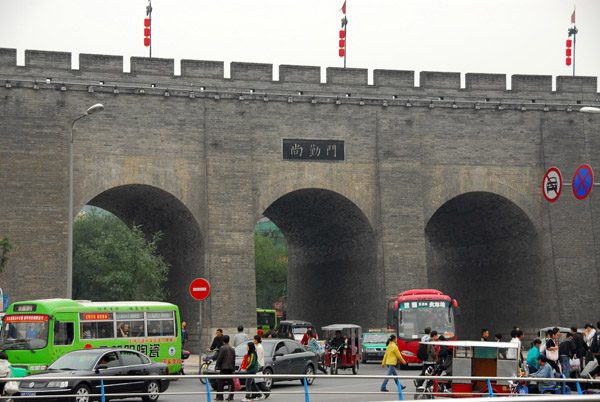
x: 93, y: 363
x: 282, y: 356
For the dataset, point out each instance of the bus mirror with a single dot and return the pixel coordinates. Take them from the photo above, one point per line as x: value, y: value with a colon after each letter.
x: 454, y: 303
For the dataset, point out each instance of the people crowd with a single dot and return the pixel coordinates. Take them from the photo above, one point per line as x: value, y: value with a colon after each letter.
x: 573, y: 354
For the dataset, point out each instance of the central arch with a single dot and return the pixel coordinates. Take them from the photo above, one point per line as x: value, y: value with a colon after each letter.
x: 182, y: 244
x: 332, y: 258
x: 483, y: 250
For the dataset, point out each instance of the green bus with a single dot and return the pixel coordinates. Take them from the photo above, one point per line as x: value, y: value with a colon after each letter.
x: 266, y: 319
x: 37, y: 332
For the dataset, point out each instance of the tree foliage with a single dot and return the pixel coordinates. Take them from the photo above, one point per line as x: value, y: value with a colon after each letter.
x: 5, y: 247
x: 270, y: 261
x: 114, y: 262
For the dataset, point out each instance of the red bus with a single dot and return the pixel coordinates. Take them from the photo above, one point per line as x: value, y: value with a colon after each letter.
x: 411, y: 311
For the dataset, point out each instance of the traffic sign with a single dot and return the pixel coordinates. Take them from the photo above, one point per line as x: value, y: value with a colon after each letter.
x: 199, y: 289
x: 583, y: 181
x: 552, y: 184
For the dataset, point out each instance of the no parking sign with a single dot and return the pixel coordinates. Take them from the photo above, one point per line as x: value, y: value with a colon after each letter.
x: 583, y: 181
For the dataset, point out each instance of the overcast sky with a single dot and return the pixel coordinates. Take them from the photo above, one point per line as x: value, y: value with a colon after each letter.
x: 484, y: 36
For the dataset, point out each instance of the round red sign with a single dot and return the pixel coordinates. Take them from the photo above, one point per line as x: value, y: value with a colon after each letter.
x: 200, y: 289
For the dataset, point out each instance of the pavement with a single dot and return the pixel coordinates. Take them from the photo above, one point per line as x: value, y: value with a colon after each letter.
x: 191, y: 365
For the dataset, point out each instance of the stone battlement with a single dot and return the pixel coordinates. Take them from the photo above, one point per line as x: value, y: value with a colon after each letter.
x: 306, y: 79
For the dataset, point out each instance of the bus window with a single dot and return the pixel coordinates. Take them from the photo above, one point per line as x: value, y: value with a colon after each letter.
x: 161, y: 323
x: 63, y: 333
x: 130, y: 324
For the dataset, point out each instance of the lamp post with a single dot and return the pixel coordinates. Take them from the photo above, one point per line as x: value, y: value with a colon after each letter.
x: 98, y: 107
x: 589, y: 109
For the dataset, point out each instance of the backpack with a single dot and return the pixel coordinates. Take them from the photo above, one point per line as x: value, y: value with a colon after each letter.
x: 595, y: 346
x: 422, y: 352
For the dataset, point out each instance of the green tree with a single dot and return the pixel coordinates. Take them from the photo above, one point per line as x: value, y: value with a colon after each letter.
x: 114, y: 262
x: 270, y: 262
x: 5, y: 247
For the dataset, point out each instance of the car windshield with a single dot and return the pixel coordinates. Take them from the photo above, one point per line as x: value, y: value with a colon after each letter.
x: 75, y: 361
x: 24, y: 334
x: 375, y: 338
x: 413, y: 321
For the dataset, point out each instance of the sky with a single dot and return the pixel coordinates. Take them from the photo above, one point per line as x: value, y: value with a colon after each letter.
x: 465, y: 36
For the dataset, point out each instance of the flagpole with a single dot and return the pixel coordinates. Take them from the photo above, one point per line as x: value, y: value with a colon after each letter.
x: 346, y: 36
x: 573, y: 31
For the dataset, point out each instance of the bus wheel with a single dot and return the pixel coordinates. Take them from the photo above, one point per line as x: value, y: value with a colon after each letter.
x: 152, y: 389
x: 82, y: 393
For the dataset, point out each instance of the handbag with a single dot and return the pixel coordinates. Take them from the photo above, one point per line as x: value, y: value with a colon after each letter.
x: 552, y: 355
x: 236, y: 384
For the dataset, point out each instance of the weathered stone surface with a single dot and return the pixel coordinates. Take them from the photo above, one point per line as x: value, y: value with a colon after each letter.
x: 447, y: 196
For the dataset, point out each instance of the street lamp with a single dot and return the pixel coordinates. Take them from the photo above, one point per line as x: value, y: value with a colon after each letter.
x: 98, y: 107
x: 589, y: 109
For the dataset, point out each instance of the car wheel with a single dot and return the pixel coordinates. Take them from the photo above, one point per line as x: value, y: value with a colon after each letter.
x: 309, y: 372
x: 268, y: 380
x: 82, y: 393
x: 153, y: 390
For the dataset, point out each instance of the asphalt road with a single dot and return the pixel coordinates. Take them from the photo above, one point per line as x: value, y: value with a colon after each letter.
x: 340, y: 389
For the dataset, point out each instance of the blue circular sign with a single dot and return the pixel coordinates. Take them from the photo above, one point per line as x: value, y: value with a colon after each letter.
x: 583, y: 181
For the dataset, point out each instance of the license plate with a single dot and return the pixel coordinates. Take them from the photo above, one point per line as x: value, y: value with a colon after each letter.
x: 28, y: 393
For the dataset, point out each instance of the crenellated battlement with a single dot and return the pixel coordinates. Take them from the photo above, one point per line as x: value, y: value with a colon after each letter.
x: 259, y: 76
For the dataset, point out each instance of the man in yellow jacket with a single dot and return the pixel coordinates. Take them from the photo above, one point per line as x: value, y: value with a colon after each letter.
x: 390, y: 359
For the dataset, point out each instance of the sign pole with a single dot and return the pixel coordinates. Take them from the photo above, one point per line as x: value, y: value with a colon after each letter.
x: 200, y: 338
x: 199, y: 290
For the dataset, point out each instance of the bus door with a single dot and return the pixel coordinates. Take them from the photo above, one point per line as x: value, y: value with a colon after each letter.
x: 63, y: 334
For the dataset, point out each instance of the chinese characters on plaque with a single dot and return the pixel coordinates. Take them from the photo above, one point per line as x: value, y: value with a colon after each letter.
x: 313, y: 150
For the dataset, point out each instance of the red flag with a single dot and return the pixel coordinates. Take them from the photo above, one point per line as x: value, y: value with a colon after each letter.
x: 344, y: 8
x: 572, y: 15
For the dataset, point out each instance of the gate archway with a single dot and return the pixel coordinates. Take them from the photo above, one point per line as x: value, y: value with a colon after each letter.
x: 332, y: 259
x: 483, y: 250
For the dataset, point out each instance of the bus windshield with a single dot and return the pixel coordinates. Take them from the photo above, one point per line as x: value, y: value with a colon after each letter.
x: 24, y: 332
x: 412, y: 322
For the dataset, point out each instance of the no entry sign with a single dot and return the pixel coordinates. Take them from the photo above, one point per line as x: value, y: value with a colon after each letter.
x: 583, y: 181
x: 200, y: 289
x: 552, y: 184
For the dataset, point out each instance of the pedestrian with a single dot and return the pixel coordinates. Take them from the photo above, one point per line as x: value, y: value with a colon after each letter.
x: 552, y: 351
x: 251, y: 361
x: 431, y: 356
x: 425, y: 337
x: 590, y: 332
x: 580, y: 346
x: 305, y: 337
x: 566, y: 351
x: 390, y: 359
x: 260, y: 355
x: 225, y: 365
x: 532, y: 356
x: 485, y: 333
x: 240, y: 337
x: 544, y: 341
x: 184, y: 334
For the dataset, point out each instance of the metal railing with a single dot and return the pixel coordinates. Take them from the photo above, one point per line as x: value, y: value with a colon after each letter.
x: 577, y: 395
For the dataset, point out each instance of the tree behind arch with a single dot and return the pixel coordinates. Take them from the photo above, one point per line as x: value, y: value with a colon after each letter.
x: 114, y: 262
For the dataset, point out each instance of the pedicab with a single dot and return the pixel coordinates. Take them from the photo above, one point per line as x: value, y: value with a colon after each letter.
x: 473, y: 359
x: 343, y: 347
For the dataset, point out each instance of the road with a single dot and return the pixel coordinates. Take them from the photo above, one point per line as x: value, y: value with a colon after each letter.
x: 350, y: 389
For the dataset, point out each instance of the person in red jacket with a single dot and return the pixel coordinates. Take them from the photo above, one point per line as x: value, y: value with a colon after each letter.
x: 305, y: 337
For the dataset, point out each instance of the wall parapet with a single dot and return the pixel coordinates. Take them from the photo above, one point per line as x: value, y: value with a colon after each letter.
x: 307, y: 79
